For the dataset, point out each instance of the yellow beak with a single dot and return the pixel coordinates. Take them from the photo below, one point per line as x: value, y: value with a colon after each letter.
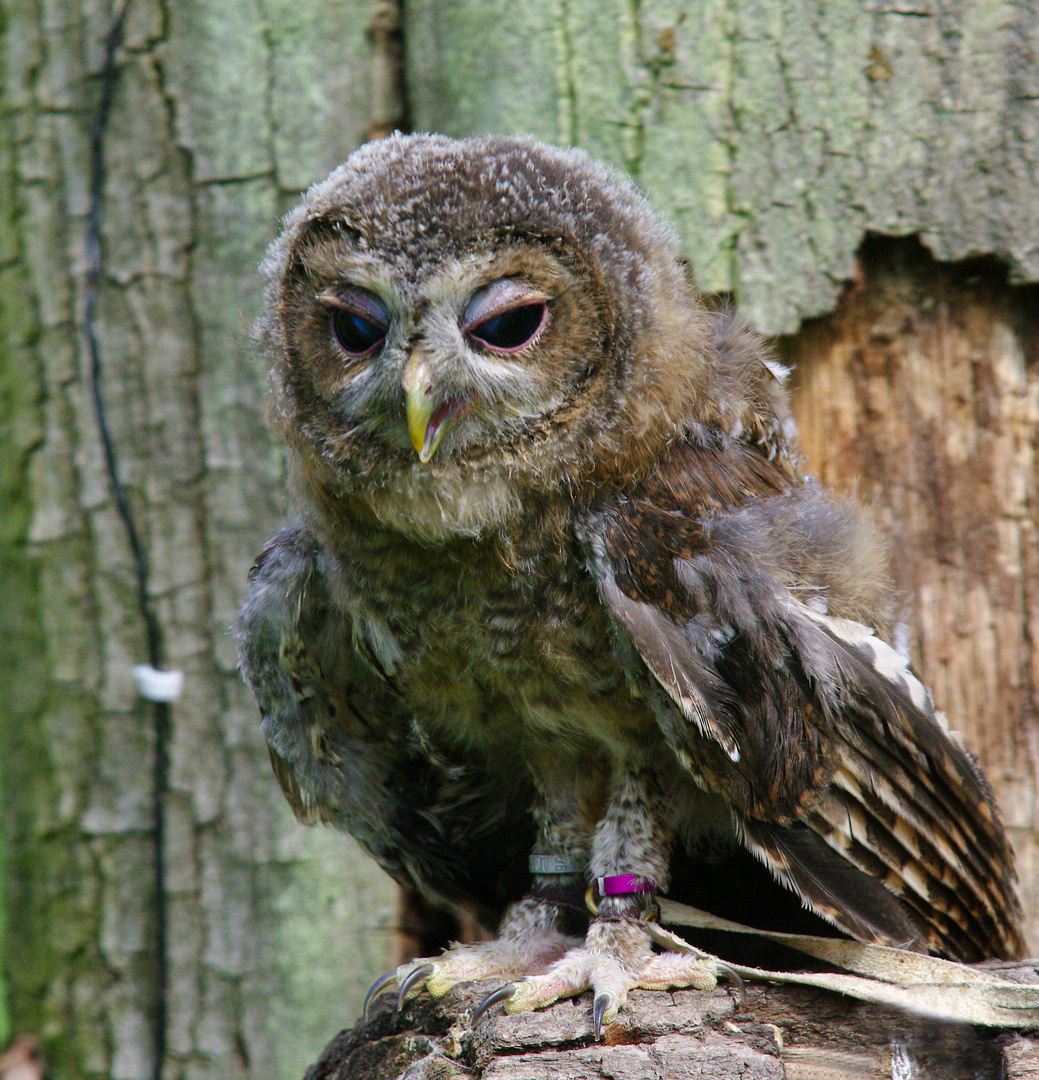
x: 425, y: 429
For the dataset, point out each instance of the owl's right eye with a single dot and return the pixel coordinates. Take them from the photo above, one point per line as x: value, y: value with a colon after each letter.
x: 356, y: 334
x: 359, y: 323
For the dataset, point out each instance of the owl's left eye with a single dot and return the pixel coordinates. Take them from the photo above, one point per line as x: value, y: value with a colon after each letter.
x: 506, y: 315
x: 359, y: 323
x: 512, y: 329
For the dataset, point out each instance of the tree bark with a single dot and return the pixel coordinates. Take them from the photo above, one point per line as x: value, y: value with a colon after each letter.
x: 920, y: 394
x: 222, y: 112
x: 775, y: 1033
x: 774, y: 135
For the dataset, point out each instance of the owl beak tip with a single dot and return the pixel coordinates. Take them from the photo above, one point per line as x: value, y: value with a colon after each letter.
x: 427, y: 427
x: 427, y: 420
x: 418, y: 405
x: 418, y: 416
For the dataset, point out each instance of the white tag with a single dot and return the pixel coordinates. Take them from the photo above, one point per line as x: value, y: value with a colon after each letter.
x: 155, y: 685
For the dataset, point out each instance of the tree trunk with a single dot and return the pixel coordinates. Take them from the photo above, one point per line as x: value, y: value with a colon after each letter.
x: 220, y: 116
x: 775, y: 134
x: 921, y: 395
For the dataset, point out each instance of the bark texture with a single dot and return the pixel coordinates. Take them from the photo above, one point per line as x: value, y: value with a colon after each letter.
x: 223, y: 110
x: 775, y: 1033
x: 920, y: 394
x: 774, y: 135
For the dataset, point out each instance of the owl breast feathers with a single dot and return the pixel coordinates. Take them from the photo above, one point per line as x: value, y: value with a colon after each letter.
x: 559, y: 588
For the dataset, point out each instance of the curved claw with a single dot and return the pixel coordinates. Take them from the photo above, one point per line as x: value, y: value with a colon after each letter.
x: 503, y: 993
x: 415, y: 976
x: 600, y: 1006
x: 734, y: 976
x: 378, y: 988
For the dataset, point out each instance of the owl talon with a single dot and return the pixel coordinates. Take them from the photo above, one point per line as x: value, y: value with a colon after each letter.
x: 604, y: 1004
x: 734, y: 977
x: 405, y: 980
x: 381, y: 985
x: 503, y: 993
x: 411, y: 982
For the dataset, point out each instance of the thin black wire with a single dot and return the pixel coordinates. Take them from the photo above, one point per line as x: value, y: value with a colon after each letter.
x: 153, y: 635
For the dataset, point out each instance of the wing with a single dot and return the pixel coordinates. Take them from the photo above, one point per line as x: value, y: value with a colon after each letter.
x: 742, y: 594
x: 345, y: 752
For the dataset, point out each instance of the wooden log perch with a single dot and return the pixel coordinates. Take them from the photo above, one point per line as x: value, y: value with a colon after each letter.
x: 776, y: 1032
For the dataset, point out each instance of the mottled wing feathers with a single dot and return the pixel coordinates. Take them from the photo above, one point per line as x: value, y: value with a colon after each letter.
x: 692, y: 685
x: 281, y: 611
x: 910, y: 807
x: 305, y: 809
x: 343, y: 746
x: 809, y: 725
x: 698, y: 608
x: 832, y: 886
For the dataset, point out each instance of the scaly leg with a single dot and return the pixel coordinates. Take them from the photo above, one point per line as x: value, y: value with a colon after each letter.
x: 528, y: 941
x: 531, y: 937
x: 630, y: 860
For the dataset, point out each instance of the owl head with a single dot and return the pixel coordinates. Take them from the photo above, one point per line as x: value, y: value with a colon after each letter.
x: 448, y: 318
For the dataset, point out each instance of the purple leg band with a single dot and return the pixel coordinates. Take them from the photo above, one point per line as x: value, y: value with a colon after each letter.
x: 621, y: 884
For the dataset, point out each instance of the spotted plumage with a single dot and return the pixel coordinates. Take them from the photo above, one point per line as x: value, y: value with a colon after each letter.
x: 560, y: 585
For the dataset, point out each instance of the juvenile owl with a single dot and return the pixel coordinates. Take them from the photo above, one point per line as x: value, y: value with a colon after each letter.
x: 560, y: 608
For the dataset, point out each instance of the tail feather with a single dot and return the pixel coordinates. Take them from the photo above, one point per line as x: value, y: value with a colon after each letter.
x: 951, y: 928
x: 901, y: 798
x: 832, y: 886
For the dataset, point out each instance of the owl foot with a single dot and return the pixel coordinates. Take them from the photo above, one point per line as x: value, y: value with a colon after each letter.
x: 503, y: 958
x: 615, y: 958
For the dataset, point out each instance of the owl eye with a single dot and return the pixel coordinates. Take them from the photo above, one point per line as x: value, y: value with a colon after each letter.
x: 359, y: 323
x: 505, y: 315
x: 356, y: 334
x: 511, y: 329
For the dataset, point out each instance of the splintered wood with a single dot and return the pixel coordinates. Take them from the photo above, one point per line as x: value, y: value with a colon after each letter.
x: 921, y: 396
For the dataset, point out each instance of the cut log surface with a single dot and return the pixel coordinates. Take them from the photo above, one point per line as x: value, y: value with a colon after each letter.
x: 775, y: 1033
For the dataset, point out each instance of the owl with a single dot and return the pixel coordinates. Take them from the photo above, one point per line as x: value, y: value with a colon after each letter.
x: 560, y: 615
